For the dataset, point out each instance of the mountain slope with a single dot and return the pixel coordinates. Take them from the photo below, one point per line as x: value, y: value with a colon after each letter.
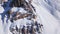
x: 50, y: 23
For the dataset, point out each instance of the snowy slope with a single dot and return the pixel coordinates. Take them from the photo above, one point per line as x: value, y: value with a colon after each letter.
x: 50, y: 23
x: 4, y: 28
x: 53, y: 6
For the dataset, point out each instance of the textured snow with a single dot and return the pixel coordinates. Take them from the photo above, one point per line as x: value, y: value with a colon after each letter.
x: 51, y: 25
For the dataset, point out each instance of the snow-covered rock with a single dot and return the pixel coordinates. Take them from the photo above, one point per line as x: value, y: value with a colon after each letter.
x: 50, y: 23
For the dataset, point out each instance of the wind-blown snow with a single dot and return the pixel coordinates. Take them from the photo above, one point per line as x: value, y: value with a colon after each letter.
x: 50, y: 24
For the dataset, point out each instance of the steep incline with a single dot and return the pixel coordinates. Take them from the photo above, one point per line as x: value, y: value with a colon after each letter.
x: 50, y: 23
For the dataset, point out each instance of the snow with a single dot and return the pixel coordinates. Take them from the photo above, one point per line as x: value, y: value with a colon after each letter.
x: 1, y: 9
x: 50, y: 24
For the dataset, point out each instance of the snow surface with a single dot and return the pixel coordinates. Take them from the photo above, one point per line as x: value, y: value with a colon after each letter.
x: 51, y: 25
